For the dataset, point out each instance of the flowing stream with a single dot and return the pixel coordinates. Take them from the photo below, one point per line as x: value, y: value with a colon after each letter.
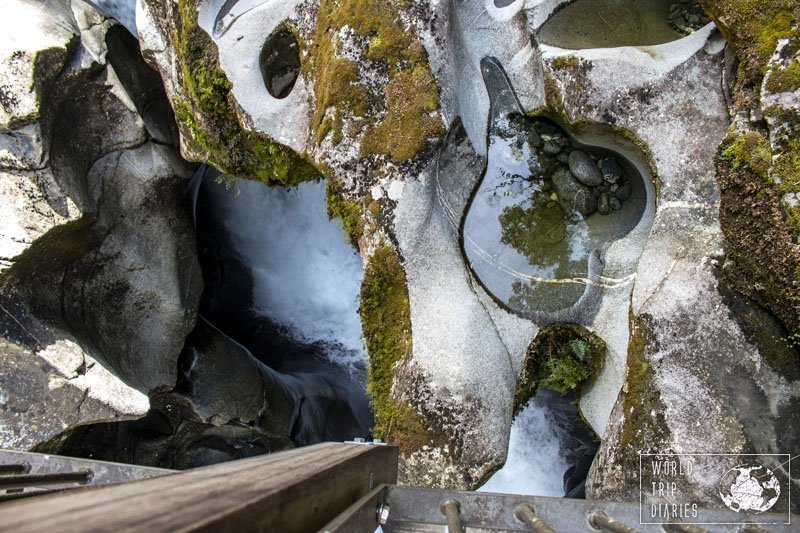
x: 282, y: 280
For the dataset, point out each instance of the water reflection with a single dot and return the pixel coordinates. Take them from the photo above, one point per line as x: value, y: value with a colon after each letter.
x: 546, y: 210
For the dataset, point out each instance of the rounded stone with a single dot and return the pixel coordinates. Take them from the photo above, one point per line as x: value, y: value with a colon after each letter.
x: 551, y: 148
x: 534, y: 140
x: 603, y: 205
x: 572, y: 194
x: 611, y: 170
x: 623, y: 192
x: 584, y: 168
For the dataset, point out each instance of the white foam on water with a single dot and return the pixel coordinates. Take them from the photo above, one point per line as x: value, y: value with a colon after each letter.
x: 534, y: 465
x: 307, y: 277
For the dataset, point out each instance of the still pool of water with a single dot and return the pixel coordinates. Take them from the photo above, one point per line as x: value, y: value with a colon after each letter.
x: 545, y: 210
x: 609, y: 23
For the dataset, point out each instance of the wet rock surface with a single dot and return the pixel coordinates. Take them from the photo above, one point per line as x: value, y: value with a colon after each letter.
x: 280, y: 62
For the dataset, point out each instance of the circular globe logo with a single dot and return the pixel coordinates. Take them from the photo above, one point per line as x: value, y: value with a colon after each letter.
x: 752, y: 488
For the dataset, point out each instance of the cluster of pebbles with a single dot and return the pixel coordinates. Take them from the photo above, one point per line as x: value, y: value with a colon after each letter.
x: 578, y: 180
x: 686, y: 16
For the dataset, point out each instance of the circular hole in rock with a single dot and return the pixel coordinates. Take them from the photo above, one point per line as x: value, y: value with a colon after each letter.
x: 280, y: 62
x: 502, y: 3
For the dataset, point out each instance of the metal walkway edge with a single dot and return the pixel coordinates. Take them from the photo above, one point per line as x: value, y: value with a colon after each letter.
x: 331, y: 487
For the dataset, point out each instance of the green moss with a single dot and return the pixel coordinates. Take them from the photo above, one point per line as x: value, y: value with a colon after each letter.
x: 411, y: 94
x: 750, y: 150
x: 350, y: 213
x: 410, y: 97
x: 784, y: 79
x: 386, y: 326
x: 208, y: 118
x: 563, y: 357
x: 642, y: 402
x: 753, y: 27
x: 553, y: 98
x: 564, y: 62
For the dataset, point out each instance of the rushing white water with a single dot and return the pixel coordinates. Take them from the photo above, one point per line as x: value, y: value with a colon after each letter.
x: 306, y: 276
x: 535, y: 465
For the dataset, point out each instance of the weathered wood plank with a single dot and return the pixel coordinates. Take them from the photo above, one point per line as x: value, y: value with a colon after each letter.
x: 298, y: 490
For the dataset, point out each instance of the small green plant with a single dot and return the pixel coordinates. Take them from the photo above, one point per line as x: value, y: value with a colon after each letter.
x: 563, y: 357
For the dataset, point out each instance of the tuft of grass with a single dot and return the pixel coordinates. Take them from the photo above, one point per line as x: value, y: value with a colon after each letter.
x: 386, y: 327
x: 208, y: 118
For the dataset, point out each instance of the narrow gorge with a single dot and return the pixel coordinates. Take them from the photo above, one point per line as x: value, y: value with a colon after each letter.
x: 529, y: 242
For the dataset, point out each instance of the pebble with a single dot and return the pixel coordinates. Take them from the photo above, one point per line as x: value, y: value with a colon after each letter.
x: 615, y: 203
x: 603, y: 204
x: 551, y: 147
x: 572, y: 194
x: 611, y: 170
x: 584, y: 169
x: 623, y: 192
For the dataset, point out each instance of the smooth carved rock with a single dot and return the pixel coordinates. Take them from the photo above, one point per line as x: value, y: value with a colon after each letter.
x: 32, y: 54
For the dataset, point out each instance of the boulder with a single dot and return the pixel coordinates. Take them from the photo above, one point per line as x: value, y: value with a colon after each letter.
x: 126, y: 278
x: 43, y: 392
x: 38, y: 39
x: 99, y: 284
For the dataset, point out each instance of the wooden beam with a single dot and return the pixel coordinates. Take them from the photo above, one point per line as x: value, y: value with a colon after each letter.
x: 297, y: 490
x: 361, y: 516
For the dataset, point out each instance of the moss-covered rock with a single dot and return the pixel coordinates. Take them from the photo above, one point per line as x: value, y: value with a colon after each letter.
x: 757, y: 163
x: 211, y: 129
x: 349, y: 212
x: 637, y: 422
x: 386, y: 326
x: 386, y: 47
x: 563, y: 357
x: 763, y: 257
x: 753, y: 28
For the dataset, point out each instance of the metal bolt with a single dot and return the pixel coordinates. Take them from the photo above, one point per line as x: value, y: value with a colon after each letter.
x: 525, y: 513
x: 452, y: 509
x: 383, y: 514
x: 600, y: 520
